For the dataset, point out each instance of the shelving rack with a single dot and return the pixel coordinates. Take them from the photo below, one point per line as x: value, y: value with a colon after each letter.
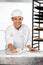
x: 37, y: 19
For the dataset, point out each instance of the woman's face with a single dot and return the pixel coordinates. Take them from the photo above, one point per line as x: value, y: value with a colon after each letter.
x: 17, y: 21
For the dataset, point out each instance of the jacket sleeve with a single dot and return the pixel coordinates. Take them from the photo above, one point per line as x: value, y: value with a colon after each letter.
x: 8, y: 37
x: 29, y: 38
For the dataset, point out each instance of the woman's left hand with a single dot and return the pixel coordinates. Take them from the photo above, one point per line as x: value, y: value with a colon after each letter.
x: 33, y: 49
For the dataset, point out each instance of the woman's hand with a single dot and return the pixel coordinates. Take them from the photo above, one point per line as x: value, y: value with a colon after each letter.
x: 14, y: 51
x: 18, y: 50
x: 33, y: 49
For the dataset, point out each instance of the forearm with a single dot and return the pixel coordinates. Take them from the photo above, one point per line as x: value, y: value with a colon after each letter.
x: 28, y: 46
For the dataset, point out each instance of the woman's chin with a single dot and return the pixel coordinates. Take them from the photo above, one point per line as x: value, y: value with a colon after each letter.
x: 18, y: 27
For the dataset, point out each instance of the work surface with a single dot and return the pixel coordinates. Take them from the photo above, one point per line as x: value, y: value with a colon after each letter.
x: 26, y: 58
x: 23, y: 54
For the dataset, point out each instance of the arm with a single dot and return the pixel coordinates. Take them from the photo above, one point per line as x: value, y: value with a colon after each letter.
x: 29, y: 40
x: 9, y: 40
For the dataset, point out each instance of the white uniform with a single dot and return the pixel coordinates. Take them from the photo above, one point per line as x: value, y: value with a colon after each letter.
x: 19, y: 38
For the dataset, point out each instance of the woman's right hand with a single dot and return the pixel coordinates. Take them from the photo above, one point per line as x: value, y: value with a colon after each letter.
x: 14, y: 51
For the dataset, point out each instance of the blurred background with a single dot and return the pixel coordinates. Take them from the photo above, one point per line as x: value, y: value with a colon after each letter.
x: 15, y: 0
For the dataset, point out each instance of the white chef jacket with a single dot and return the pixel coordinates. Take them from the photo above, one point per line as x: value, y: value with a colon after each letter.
x: 19, y: 38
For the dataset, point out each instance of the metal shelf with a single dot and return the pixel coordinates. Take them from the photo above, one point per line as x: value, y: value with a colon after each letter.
x: 38, y: 22
x: 39, y: 8
x: 39, y: 29
x: 41, y: 16
x: 38, y: 18
x: 37, y: 11
x: 38, y: 39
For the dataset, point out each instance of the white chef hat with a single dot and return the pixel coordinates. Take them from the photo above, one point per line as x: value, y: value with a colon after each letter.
x: 16, y: 12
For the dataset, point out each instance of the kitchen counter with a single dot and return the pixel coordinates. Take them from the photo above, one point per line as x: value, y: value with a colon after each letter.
x: 25, y: 58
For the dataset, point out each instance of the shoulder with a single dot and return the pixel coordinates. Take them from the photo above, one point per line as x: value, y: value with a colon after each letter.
x: 26, y: 27
x: 9, y: 28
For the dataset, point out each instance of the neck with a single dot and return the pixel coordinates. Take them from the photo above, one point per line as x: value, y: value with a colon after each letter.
x: 18, y: 27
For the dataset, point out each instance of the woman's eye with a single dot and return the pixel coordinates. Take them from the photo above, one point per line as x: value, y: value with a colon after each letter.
x: 15, y: 19
x: 20, y: 19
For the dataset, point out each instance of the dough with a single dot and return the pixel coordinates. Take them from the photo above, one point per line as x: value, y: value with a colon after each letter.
x: 18, y: 50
